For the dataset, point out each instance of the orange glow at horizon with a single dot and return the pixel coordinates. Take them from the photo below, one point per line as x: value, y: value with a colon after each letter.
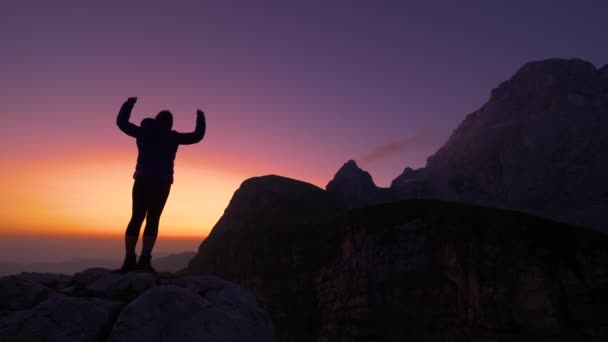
x: 76, y: 196
x: 77, y: 193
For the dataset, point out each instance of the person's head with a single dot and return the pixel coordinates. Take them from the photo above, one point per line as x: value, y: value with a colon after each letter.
x: 166, y: 118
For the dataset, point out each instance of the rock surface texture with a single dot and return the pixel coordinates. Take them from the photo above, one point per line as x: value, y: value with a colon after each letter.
x: 102, y: 305
x: 417, y: 270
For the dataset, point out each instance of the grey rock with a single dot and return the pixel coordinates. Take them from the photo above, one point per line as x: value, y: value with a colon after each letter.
x: 61, y: 318
x: 86, y: 277
x: 117, y: 285
x: 17, y: 293
x: 220, y: 292
x: 180, y: 309
x: 51, y: 280
x: 173, y: 313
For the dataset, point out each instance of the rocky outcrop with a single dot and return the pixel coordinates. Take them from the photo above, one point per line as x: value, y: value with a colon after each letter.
x: 352, y: 187
x: 416, y: 270
x: 540, y: 145
x: 211, y: 310
x: 259, y: 241
x: 19, y: 293
x: 99, y: 304
x: 60, y: 318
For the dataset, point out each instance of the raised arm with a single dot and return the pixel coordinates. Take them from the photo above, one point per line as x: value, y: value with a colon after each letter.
x: 199, y: 131
x: 122, y: 120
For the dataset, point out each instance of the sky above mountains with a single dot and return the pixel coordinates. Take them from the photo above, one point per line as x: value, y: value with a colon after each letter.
x: 294, y: 88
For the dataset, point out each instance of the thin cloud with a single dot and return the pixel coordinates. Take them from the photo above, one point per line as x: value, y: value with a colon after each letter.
x: 395, y: 147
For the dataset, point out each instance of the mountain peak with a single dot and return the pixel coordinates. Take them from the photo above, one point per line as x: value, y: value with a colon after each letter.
x: 351, y: 163
x: 354, y: 187
x: 535, y: 77
x: 539, y: 145
x: 350, y: 175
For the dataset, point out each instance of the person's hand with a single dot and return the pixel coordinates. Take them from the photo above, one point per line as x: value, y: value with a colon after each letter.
x: 200, y: 113
x: 132, y: 99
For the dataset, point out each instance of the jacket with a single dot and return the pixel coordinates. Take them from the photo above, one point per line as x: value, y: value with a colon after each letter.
x: 156, y: 144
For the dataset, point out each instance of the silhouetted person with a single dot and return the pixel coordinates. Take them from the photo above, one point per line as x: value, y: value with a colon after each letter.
x: 157, y: 145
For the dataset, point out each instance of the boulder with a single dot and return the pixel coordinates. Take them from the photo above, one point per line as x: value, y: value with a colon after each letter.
x: 17, y: 293
x: 174, y: 313
x: 61, y: 318
x: 51, y: 280
x: 86, y: 277
x: 128, y: 307
x: 117, y: 285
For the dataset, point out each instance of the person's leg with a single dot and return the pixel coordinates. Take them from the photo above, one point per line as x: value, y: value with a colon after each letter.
x: 138, y: 214
x: 157, y: 200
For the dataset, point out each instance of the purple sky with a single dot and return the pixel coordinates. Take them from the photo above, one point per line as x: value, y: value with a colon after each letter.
x: 310, y: 83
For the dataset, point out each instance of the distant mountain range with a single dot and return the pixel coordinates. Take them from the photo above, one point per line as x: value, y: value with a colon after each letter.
x: 164, y: 263
x: 437, y: 257
x: 539, y: 145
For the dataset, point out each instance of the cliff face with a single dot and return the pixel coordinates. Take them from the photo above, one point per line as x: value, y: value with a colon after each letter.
x: 540, y: 144
x: 414, y: 270
x: 102, y: 305
x: 433, y: 271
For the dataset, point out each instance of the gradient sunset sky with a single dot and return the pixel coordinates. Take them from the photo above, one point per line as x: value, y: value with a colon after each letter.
x: 294, y: 88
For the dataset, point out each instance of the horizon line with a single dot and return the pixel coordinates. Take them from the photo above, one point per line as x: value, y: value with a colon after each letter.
x: 121, y: 235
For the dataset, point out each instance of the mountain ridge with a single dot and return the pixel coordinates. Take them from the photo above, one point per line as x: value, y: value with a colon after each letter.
x: 470, y: 272
x: 489, y: 241
x: 539, y: 145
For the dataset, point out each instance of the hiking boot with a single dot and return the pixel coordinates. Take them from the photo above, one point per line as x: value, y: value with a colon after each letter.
x: 130, y: 264
x: 144, y: 264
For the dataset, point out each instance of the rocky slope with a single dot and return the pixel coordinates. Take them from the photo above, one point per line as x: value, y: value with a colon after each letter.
x: 540, y: 144
x: 102, y: 305
x: 416, y: 270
